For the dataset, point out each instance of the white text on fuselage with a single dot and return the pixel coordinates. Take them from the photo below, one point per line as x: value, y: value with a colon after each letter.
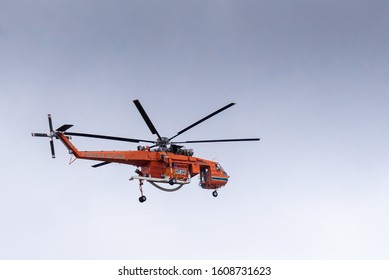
x: 106, y: 156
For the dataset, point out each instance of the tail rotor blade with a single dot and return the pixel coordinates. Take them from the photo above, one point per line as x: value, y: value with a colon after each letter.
x: 39, y: 135
x: 52, y: 148
x: 50, y: 124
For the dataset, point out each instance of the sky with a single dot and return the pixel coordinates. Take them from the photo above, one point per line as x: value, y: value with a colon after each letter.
x: 310, y: 78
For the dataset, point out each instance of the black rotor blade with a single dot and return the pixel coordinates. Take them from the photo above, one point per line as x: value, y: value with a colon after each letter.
x: 107, y: 137
x: 50, y: 123
x: 146, y: 118
x: 39, y: 135
x: 52, y: 148
x: 219, y: 140
x: 203, y: 119
x: 101, y: 164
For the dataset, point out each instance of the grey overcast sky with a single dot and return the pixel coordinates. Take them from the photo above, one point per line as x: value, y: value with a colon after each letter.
x: 311, y: 78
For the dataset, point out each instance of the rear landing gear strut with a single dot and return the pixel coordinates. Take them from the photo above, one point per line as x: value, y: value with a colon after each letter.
x: 142, y: 198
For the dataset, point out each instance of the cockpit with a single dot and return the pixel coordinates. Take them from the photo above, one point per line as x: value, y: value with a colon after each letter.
x: 213, y: 176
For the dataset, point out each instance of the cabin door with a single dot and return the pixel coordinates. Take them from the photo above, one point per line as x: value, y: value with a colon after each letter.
x: 205, y: 176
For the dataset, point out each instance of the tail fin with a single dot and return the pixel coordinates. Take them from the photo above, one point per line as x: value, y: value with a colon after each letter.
x: 66, y: 140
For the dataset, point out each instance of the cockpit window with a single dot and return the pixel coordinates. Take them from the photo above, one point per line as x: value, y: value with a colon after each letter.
x: 219, y: 167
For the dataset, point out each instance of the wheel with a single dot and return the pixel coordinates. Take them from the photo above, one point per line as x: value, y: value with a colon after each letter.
x: 214, y: 193
x: 172, y: 181
x: 142, y: 199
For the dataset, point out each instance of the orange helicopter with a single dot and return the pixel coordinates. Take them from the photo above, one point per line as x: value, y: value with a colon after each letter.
x: 163, y: 161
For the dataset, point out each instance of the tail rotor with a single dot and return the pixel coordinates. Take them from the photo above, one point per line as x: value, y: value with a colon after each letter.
x: 51, y: 136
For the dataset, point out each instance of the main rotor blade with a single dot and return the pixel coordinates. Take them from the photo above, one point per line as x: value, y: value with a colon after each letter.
x: 50, y: 123
x: 101, y: 164
x: 107, y: 137
x: 203, y: 119
x: 219, y: 140
x: 146, y: 118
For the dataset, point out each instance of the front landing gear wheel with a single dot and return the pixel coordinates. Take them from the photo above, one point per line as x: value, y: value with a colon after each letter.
x: 214, y: 193
x: 172, y: 181
x: 142, y: 199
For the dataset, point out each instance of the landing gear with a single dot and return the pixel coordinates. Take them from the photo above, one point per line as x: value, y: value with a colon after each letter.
x: 214, y: 193
x: 142, y: 198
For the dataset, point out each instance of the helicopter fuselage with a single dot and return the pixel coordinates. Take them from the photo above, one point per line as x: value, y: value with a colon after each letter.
x: 157, y: 165
x: 163, y: 161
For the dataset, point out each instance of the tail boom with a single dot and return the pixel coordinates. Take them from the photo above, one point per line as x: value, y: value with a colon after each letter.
x: 138, y: 158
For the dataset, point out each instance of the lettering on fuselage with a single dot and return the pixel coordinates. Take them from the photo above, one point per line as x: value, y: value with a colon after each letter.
x: 105, y: 156
x: 180, y: 172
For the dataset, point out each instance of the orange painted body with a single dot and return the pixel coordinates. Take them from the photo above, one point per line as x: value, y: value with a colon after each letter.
x: 159, y: 164
x: 164, y: 161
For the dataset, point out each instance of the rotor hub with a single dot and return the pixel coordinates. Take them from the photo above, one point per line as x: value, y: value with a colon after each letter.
x: 163, y: 142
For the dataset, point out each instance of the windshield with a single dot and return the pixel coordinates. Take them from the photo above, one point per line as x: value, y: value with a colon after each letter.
x: 220, y: 168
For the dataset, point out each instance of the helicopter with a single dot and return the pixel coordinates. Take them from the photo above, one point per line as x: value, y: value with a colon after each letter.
x: 161, y: 161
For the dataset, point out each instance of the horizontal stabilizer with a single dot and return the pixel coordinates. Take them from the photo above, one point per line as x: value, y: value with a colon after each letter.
x: 64, y: 127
